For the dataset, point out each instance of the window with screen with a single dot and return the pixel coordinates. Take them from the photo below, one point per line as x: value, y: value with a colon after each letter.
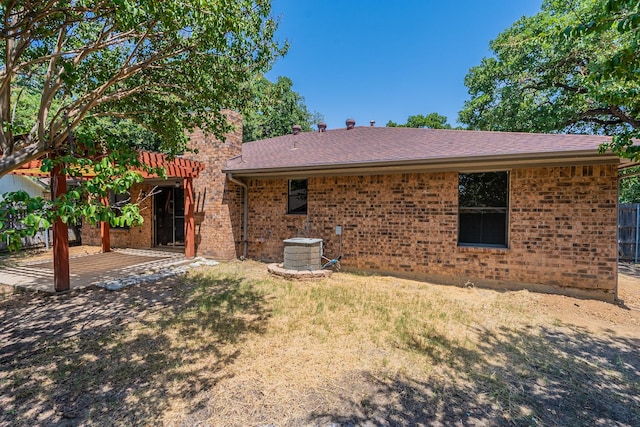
x: 297, y: 203
x: 483, y: 207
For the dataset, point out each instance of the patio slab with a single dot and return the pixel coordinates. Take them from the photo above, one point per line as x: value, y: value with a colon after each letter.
x: 88, y: 270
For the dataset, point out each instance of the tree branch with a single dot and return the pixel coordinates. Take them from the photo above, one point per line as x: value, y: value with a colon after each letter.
x: 146, y: 88
x: 619, y: 113
x: 614, y: 110
x: 138, y: 44
x: 118, y: 115
x: 34, y: 16
x: 49, y: 89
x: 6, y: 135
x: 13, y: 161
x: 573, y: 89
x: 78, y: 53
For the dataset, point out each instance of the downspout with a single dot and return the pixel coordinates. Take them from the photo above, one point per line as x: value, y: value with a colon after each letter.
x: 245, y: 216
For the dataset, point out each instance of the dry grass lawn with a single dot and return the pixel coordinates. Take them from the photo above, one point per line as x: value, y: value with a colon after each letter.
x: 232, y: 346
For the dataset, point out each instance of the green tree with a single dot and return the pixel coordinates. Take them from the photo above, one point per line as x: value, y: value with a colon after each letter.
x: 168, y: 65
x: 273, y: 109
x: 629, y: 191
x: 76, y: 76
x: 621, y: 16
x: 573, y: 67
x: 540, y: 80
x: 93, y: 129
x: 430, y: 121
x: 618, y: 70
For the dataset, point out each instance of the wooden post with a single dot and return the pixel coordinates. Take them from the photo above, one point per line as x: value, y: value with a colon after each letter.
x: 61, y: 278
x: 105, y: 235
x: 189, y: 219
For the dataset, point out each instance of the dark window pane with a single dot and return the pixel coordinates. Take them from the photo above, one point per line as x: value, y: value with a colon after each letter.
x: 178, y: 197
x: 179, y: 230
x: 483, y: 189
x: 483, y: 200
x: 297, y: 203
x: 483, y: 228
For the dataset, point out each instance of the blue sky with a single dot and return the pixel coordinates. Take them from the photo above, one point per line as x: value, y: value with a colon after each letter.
x: 386, y: 60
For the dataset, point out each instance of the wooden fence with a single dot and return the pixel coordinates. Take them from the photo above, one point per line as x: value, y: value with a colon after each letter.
x: 629, y: 232
x: 42, y: 238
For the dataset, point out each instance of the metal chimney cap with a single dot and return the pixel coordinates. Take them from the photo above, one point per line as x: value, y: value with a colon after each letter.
x: 296, y: 129
x: 372, y: 123
x: 322, y: 126
x: 351, y: 123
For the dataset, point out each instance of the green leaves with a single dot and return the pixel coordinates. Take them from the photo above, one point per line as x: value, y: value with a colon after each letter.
x: 629, y: 22
x: 430, y: 121
x: 21, y: 216
x: 120, y: 75
x: 165, y: 66
x: 274, y: 109
x: 107, y: 174
x: 573, y: 67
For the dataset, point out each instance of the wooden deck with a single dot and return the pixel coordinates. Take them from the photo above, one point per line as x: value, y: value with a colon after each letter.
x: 88, y: 270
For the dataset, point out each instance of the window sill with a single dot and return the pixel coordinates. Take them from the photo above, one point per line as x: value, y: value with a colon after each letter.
x: 483, y: 249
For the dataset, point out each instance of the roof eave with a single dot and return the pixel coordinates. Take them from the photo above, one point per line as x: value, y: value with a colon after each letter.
x: 464, y: 164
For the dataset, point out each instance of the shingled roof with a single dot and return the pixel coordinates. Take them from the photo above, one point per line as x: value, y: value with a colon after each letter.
x: 382, y: 149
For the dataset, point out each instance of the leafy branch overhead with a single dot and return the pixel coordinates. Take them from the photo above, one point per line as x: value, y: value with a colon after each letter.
x: 430, y: 121
x: 88, y: 81
x: 273, y: 109
x: 95, y: 178
x: 167, y: 65
x: 573, y: 67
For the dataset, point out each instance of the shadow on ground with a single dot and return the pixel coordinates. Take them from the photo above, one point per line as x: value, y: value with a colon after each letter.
x: 93, y: 356
x: 552, y: 377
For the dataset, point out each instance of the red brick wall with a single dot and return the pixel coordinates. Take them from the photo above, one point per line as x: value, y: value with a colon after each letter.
x: 218, y: 203
x: 135, y: 237
x: 562, y: 227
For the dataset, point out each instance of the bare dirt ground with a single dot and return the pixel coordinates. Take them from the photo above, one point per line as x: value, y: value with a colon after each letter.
x: 230, y: 345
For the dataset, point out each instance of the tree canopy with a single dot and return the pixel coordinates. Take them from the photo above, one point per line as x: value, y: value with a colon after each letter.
x: 167, y: 65
x: 629, y: 188
x: 430, y: 121
x: 87, y: 81
x: 620, y: 69
x: 273, y: 109
x: 556, y: 72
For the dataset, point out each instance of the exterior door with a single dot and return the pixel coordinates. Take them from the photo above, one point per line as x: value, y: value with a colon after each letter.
x: 168, y: 215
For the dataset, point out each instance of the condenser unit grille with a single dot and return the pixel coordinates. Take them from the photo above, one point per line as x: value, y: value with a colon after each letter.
x: 302, y: 253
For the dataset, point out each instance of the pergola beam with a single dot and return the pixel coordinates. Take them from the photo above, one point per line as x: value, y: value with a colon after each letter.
x: 61, y: 277
x: 175, y: 167
x: 189, y: 220
x: 105, y: 234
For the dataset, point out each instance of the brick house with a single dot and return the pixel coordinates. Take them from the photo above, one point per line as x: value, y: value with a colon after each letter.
x: 216, y: 210
x: 504, y: 210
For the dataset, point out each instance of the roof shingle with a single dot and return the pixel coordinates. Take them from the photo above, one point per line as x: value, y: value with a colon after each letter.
x: 378, y: 145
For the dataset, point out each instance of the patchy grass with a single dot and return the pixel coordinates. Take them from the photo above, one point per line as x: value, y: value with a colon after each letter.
x: 231, y: 345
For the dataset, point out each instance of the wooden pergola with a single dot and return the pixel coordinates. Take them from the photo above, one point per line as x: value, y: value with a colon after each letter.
x: 177, y: 167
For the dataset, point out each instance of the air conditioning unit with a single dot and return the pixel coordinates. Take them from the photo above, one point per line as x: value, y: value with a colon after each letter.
x: 301, y: 253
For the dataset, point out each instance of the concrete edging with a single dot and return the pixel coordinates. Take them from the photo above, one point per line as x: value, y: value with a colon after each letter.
x: 279, y: 270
